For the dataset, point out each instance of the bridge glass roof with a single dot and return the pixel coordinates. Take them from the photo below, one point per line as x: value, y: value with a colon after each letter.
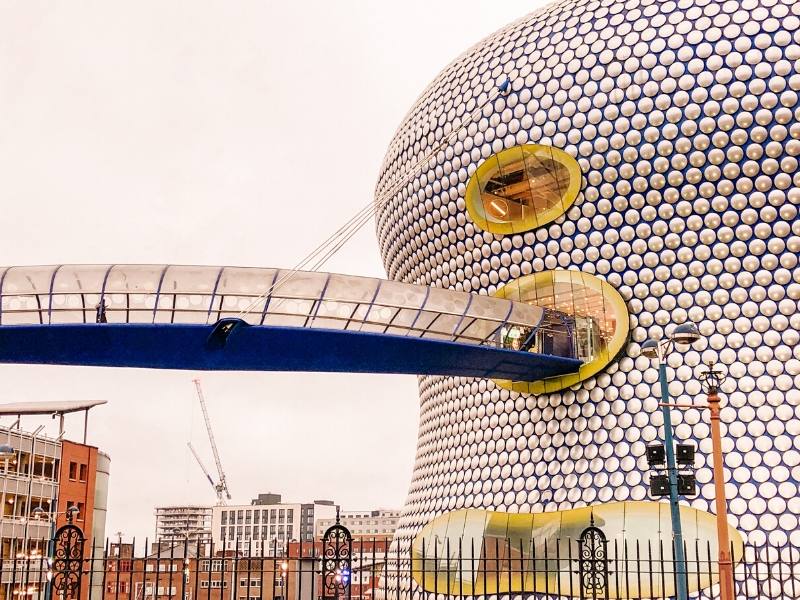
x: 203, y: 295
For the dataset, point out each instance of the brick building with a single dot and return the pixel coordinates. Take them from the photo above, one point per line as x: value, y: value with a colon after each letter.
x: 39, y: 482
x: 176, y: 572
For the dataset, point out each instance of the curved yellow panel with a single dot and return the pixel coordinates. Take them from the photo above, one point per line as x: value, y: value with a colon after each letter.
x: 522, y: 188
x: 501, y: 553
x: 594, y: 312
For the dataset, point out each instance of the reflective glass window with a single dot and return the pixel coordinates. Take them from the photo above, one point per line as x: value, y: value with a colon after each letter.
x: 585, y: 318
x: 522, y: 188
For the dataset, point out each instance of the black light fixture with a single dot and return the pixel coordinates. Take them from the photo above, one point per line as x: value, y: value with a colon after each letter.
x: 684, y: 454
x: 659, y: 486
x: 687, y: 484
x: 656, y: 455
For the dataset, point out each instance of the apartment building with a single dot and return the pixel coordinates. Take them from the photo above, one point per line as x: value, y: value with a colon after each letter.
x: 184, y: 523
x: 267, y: 524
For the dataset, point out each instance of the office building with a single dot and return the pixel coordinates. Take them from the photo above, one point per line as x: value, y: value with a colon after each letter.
x: 364, y: 523
x: 40, y: 482
x: 267, y: 524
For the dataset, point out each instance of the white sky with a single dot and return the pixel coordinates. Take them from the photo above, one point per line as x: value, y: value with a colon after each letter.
x: 222, y: 133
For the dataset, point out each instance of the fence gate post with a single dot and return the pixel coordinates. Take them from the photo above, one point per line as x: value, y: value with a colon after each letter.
x: 337, y: 551
x: 67, y: 561
x: 593, y: 563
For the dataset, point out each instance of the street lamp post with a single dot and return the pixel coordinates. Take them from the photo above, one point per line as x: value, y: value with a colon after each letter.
x: 683, y: 336
x: 711, y: 380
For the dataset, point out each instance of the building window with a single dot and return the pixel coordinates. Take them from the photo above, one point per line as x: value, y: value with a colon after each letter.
x: 73, y: 471
x: 522, y: 188
x: 222, y: 533
x: 224, y: 518
x: 83, y: 471
x: 584, y: 317
x: 80, y: 506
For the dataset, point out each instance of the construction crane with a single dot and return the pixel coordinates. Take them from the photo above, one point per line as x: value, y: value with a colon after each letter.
x: 221, y: 486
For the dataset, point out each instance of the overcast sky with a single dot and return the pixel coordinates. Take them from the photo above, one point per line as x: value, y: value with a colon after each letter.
x: 221, y: 133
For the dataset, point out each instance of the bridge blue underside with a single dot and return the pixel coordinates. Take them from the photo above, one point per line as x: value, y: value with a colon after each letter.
x: 263, y: 348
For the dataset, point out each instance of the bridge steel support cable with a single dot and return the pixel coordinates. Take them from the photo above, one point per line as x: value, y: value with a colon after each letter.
x: 328, y: 248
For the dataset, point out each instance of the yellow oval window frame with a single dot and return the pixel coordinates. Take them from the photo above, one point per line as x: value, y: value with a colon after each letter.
x: 476, y: 196
x: 524, y: 290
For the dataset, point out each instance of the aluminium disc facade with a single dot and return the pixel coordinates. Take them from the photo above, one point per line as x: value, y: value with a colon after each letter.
x: 683, y: 117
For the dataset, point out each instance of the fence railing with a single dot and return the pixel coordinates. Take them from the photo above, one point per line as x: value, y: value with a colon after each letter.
x: 367, y: 568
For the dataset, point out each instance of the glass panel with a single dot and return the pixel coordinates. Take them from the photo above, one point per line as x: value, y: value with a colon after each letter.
x: 403, y: 319
x: 487, y: 306
x: 186, y: 293
x: 332, y: 314
x: 130, y: 293
x: 445, y: 325
x: 355, y: 289
x: 243, y: 289
x: 25, y: 297
x: 522, y: 188
x: 76, y: 293
x: 447, y: 301
x: 394, y: 293
x: 302, y: 284
x: 476, y: 330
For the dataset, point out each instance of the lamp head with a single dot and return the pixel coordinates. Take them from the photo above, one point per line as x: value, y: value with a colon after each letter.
x: 685, y: 334
x: 712, y: 378
x: 650, y: 348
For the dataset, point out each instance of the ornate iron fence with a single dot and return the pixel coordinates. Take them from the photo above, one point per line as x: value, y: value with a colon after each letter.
x: 341, y: 567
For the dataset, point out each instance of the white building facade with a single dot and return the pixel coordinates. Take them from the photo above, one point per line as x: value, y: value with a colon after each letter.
x: 364, y: 523
x: 182, y: 523
x: 266, y: 525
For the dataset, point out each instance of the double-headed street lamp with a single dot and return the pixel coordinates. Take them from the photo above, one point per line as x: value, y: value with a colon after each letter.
x: 682, y: 337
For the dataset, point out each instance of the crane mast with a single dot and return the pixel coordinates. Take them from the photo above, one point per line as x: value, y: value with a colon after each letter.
x: 221, y: 487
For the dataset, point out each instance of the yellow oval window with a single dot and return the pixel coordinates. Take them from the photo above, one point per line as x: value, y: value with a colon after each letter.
x: 587, y: 319
x: 522, y: 188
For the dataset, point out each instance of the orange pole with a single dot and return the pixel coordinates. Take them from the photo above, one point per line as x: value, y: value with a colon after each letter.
x: 725, y: 559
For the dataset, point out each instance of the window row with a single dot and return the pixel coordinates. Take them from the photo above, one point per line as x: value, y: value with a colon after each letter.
x: 243, y: 516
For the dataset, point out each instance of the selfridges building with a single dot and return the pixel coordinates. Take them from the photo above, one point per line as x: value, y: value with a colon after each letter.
x: 633, y: 164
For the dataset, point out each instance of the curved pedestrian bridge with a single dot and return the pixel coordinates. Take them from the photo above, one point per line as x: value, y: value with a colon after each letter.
x: 232, y: 318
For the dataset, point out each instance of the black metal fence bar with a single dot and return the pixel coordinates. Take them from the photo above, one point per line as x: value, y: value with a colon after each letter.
x: 382, y: 569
